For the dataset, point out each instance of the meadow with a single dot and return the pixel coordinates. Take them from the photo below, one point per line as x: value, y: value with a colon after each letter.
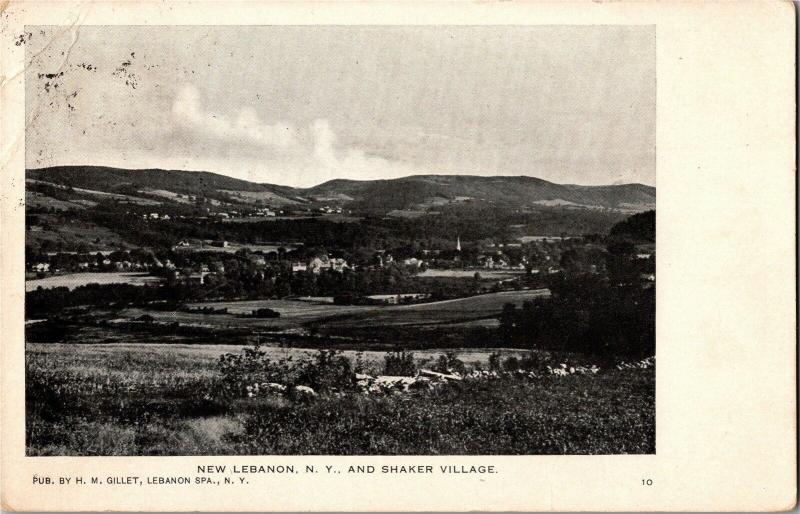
x: 302, y: 314
x: 73, y: 280
x: 487, y: 274
x: 164, y: 400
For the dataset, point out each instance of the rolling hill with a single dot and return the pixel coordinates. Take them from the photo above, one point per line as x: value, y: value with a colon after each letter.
x: 426, y: 190
x: 418, y: 192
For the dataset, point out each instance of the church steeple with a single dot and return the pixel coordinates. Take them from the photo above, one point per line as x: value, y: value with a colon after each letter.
x: 458, y: 243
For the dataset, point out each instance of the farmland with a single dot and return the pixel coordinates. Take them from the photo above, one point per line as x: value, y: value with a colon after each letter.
x: 73, y: 280
x: 234, y: 247
x: 468, y: 273
x: 446, y: 311
x: 332, y: 321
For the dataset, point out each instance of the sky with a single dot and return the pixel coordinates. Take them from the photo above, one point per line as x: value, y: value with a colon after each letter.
x: 300, y: 105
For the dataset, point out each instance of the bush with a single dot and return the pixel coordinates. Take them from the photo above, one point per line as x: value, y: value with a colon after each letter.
x: 511, y: 364
x: 494, y: 361
x: 400, y: 364
x: 329, y: 371
x: 249, y: 367
x: 265, y: 313
x: 449, y: 363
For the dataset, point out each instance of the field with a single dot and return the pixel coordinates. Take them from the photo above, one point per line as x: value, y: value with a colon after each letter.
x: 435, y: 313
x: 72, y: 234
x: 307, y: 324
x: 73, y: 280
x: 155, y: 400
x: 486, y: 274
x: 36, y: 200
x: 303, y: 313
x: 235, y: 247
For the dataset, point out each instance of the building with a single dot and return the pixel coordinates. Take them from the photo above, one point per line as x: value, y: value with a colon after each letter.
x: 41, y: 267
x: 413, y: 262
x: 323, y: 263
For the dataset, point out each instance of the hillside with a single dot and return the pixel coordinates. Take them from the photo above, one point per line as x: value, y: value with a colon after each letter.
x: 428, y: 190
x: 419, y: 192
x: 100, y: 178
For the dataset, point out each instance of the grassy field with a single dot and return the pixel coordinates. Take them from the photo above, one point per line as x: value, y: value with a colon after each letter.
x: 159, y: 400
x: 73, y: 280
x: 298, y: 313
x: 460, y: 310
x: 466, y: 273
x: 72, y: 234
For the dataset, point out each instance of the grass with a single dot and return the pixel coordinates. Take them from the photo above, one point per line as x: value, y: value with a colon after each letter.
x: 470, y: 273
x: 447, y: 311
x: 158, y: 400
x: 73, y: 280
x: 297, y: 313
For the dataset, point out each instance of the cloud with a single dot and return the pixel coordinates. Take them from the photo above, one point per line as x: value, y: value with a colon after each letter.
x: 310, y: 155
x: 188, y: 112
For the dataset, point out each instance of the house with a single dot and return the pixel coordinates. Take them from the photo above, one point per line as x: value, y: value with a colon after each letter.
x: 122, y: 265
x: 317, y: 264
x: 41, y: 267
x: 220, y: 244
x: 323, y: 262
x: 258, y: 260
x: 299, y: 266
x: 412, y: 262
x: 196, y: 278
x: 338, y: 265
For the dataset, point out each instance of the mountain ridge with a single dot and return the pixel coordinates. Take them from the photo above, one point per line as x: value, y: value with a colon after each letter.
x: 411, y: 192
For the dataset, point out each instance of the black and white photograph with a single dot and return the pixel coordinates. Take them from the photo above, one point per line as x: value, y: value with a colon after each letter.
x: 340, y: 240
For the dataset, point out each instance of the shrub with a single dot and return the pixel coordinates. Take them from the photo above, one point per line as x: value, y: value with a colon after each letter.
x: 265, y: 313
x: 400, y: 363
x: 511, y: 364
x: 448, y: 363
x: 494, y: 361
x: 329, y: 371
x: 251, y: 366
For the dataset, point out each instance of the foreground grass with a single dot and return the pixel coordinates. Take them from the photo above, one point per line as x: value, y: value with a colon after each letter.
x: 141, y: 406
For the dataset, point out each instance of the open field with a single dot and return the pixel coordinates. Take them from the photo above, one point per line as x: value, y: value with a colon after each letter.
x: 69, y: 235
x: 298, y: 313
x: 266, y: 197
x: 235, y: 247
x: 73, y: 280
x: 486, y: 274
x: 170, y: 195
x: 161, y: 361
x: 447, y: 311
x: 36, y: 200
x: 157, y: 400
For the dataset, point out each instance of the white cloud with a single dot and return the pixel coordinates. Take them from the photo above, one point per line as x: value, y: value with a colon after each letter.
x: 188, y: 112
x: 309, y: 155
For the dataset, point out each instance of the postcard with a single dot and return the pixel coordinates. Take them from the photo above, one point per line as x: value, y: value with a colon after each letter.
x: 330, y: 256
